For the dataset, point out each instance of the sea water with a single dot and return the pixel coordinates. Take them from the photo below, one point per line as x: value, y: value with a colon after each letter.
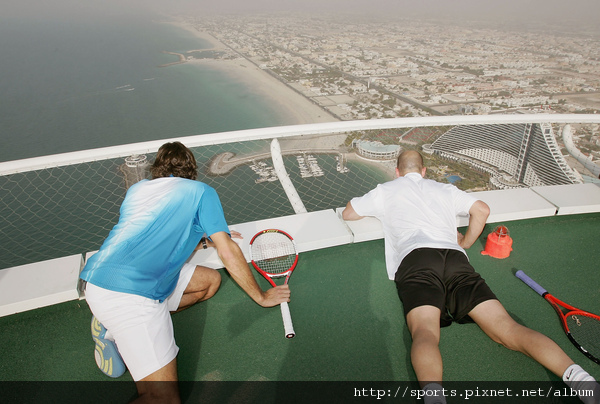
x: 82, y: 83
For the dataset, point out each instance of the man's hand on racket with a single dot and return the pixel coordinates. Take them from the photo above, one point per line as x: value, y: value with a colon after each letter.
x: 235, y: 263
x: 274, y: 255
x: 274, y: 296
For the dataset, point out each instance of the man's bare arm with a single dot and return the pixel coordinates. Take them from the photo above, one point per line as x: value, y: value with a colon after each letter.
x: 232, y: 257
x: 478, y: 215
x: 350, y: 214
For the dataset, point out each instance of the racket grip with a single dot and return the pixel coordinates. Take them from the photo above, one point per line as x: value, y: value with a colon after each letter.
x: 531, y: 283
x: 287, y: 321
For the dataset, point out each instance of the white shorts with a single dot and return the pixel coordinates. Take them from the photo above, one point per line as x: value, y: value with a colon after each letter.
x: 142, y: 328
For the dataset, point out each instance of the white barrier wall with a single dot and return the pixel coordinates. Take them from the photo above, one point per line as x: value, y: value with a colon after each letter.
x: 50, y: 282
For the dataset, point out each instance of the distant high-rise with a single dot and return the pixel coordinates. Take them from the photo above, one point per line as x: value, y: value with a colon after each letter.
x: 516, y: 155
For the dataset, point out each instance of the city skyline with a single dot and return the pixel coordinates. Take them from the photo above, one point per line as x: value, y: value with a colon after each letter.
x: 356, y: 66
x: 359, y: 68
x: 406, y: 65
x: 582, y: 11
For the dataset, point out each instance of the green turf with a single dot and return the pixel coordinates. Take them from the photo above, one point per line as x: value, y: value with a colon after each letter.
x: 347, y: 317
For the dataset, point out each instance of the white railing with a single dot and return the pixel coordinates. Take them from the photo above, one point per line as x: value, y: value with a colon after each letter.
x: 57, y: 160
x: 56, y: 209
x: 66, y: 203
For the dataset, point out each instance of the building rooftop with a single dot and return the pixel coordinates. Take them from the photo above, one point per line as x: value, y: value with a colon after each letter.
x: 350, y: 329
x: 348, y: 321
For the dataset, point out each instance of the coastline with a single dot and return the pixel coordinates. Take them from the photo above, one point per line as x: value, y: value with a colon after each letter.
x: 293, y: 107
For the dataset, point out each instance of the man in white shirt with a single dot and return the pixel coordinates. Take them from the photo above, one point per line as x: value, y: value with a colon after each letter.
x: 425, y: 256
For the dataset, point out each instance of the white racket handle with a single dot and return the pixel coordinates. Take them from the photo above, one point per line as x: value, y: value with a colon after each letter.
x: 287, y: 320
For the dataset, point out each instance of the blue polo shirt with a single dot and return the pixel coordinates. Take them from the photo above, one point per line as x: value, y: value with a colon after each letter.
x: 161, y: 222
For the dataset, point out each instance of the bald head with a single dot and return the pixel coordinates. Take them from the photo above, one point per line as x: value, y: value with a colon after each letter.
x: 410, y: 161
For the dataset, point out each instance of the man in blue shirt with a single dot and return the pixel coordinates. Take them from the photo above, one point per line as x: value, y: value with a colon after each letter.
x: 140, y: 275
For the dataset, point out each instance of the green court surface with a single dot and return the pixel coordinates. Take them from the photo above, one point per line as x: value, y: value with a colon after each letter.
x: 349, y: 328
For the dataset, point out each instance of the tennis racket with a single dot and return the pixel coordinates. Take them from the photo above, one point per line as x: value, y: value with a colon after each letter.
x: 273, y: 254
x: 582, y: 328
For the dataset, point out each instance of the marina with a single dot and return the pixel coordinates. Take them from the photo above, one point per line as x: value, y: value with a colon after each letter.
x: 265, y: 172
x: 341, y: 164
x: 309, y: 166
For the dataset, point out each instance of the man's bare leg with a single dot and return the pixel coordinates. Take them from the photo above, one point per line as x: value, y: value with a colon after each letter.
x: 424, y: 326
x: 160, y: 386
x: 493, y: 319
x: 203, y: 285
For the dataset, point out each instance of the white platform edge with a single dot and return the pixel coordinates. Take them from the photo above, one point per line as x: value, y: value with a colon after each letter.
x: 572, y: 199
x: 310, y: 231
x: 40, y: 284
x: 505, y: 205
x: 55, y: 281
x: 513, y: 204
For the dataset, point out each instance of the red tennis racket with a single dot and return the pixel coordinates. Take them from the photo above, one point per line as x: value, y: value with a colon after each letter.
x: 273, y: 254
x: 582, y: 327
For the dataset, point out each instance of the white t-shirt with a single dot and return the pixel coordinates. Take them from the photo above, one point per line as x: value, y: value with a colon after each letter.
x: 415, y: 213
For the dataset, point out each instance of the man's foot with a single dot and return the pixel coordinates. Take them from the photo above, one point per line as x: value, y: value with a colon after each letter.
x: 107, y: 355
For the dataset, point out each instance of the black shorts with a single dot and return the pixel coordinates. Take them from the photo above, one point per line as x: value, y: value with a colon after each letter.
x: 444, y: 279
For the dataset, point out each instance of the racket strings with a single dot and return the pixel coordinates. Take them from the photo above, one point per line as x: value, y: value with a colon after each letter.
x: 276, y: 266
x: 274, y: 253
x: 586, y: 331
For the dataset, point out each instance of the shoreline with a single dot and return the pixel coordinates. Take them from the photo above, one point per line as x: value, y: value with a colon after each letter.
x: 291, y: 106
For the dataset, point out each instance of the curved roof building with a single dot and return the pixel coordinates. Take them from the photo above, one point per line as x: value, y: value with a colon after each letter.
x: 377, y: 150
x: 517, y: 155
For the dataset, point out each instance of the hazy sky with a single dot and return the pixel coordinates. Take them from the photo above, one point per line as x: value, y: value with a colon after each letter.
x: 588, y: 10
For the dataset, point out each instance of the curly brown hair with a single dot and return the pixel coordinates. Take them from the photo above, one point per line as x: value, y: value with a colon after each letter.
x: 174, y: 159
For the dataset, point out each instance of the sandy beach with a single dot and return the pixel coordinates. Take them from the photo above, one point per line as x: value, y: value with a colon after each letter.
x: 293, y: 107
